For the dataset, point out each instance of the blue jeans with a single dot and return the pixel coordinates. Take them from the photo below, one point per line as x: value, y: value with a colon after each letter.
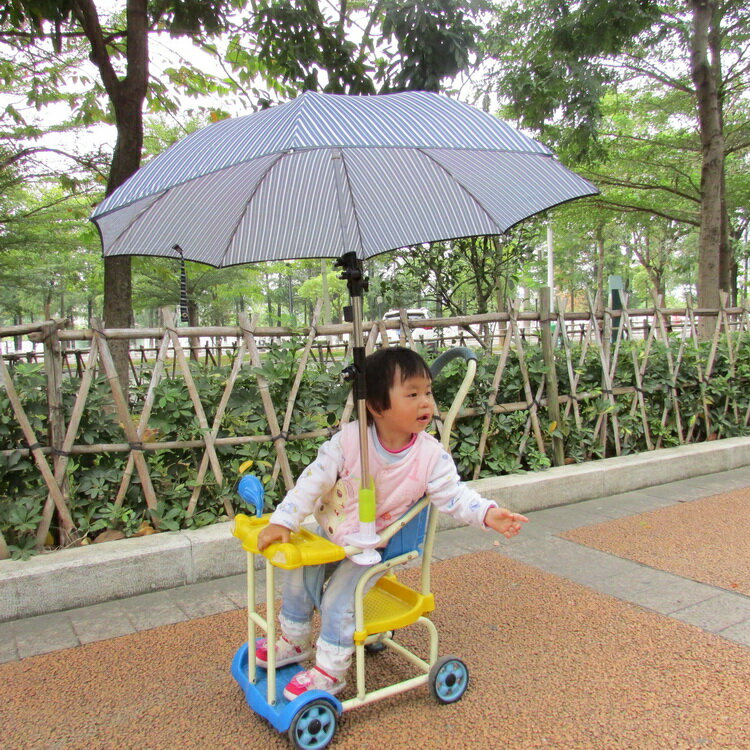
x: 331, y: 589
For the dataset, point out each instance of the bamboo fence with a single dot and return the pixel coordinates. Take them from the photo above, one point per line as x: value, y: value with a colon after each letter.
x: 596, y: 335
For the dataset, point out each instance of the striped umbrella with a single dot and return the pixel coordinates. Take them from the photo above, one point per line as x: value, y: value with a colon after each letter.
x: 328, y: 174
x: 336, y: 176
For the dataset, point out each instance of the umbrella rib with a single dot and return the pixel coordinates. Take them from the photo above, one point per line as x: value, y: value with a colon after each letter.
x: 233, y: 233
x: 350, y: 193
x: 458, y: 182
x: 148, y: 207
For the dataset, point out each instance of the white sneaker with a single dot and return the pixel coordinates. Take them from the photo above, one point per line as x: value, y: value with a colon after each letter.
x: 286, y: 653
x: 313, y: 679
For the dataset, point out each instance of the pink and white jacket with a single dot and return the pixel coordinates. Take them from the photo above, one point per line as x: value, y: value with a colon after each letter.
x: 329, y: 486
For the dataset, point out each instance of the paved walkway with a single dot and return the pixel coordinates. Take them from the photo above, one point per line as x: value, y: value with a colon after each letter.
x: 711, y: 608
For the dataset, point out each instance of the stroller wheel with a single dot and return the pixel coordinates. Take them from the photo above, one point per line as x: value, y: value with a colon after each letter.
x: 377, y: 647
x: 314, y: 726
x: 449, y: 678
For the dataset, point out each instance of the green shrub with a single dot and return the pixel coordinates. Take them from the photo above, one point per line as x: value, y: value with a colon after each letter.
x: 94, y: 478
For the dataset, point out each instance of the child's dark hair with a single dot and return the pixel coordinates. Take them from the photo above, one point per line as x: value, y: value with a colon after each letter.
x: 380, y: 373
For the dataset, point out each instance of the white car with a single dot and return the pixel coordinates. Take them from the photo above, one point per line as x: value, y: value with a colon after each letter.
x: 419, y: 333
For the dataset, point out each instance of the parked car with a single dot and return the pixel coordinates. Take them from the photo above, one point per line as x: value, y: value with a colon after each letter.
x: 418, y: 333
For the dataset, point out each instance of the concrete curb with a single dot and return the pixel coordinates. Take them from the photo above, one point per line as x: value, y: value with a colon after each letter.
x: 613, y: 476
x: 114, y: 570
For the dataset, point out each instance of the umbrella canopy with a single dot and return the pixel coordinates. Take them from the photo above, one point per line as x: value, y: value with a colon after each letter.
x: 327, y: 174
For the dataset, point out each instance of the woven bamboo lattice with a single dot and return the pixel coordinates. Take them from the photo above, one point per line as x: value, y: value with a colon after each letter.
x: 575, y: 341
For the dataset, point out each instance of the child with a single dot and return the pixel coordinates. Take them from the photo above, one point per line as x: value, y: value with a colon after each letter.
x: 405, y: 463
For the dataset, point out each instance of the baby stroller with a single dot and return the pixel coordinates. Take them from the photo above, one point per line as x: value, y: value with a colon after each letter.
x: 311, y: 719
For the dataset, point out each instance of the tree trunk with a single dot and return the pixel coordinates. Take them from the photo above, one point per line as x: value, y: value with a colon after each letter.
x: 726, y: 254
x: 269, y: 301
x: 17, y: 340
x: 326, y: 319
x: 712, y: 168
x: 127, y: 96
x: 193, y: 321
x: 600, y: 269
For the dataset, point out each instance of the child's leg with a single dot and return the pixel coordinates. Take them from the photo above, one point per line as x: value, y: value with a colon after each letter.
x: 336, y: 643
x: 300, y: 593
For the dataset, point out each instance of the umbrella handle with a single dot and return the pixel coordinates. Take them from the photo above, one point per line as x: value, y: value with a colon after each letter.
x: 366, y: 538
x: 356, y: 283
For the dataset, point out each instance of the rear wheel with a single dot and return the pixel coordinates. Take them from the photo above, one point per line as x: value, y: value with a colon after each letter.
x: 377, y: 647
x: 449, y: 678
x: 313, y: 726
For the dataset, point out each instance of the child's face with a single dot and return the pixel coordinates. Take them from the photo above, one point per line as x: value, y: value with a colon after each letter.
x: 411, y: 410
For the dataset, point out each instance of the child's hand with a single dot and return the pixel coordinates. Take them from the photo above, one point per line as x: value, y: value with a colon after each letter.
x: 504, y: 522
x: 273, y: 533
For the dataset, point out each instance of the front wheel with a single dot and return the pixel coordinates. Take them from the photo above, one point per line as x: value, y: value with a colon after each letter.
x: 313, y: 726
x: 449, y: 678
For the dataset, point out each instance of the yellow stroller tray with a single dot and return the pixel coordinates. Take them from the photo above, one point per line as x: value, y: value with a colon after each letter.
x: 304, y: 547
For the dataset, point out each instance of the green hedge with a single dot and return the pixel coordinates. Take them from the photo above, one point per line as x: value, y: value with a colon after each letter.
x: 95, y: 478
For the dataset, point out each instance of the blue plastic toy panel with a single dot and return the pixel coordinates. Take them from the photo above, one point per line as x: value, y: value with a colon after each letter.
x: 411, y: 537
x: 281, y: 714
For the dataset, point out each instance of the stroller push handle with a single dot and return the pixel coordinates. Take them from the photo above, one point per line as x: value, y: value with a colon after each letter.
x: 446, y: 357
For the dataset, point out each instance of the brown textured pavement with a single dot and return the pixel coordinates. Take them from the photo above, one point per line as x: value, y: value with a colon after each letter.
x: 705, y: 540
x: 553, y: 664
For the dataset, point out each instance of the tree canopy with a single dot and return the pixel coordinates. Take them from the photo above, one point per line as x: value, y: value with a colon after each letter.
x: 621, y: 90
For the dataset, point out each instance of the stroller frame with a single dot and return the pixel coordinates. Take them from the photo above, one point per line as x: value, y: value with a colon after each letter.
x: 311, y: 718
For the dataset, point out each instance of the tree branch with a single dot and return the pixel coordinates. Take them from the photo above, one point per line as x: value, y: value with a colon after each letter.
x: 632, y: 208
x: 614, y: 182
x: 86, y: 14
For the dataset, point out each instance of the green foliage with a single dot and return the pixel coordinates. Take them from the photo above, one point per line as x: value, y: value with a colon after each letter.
x: 435, y: 40
x: 554, y: 72
x: 400, y: 45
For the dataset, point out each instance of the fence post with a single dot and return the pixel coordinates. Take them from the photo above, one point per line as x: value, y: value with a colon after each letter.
x: 53, y: 370
x: 548, y: 352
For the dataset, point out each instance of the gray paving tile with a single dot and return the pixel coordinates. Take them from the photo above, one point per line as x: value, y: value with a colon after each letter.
x: 633, y: 503
x: 739, y: 633
x: 719, y: 484
x: 557, y: 520
x: 716, y: 613
x: 600, y: 510
x: 656, y: 590
x: 742, y: 473
x: 590, y: 512
x: 100, y: 621
x: 45, y: 633
x: 526, y: 549
x: 682, y: 491
x: 570, y: 560
x: 462, y: 541
x: 8, y: 650
x: 234, y: 588
x: 201, y: 599
x: 152, y: 611
x: 589, y: 567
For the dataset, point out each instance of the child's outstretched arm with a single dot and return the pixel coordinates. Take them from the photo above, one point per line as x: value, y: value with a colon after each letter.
x: 504, y: 521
